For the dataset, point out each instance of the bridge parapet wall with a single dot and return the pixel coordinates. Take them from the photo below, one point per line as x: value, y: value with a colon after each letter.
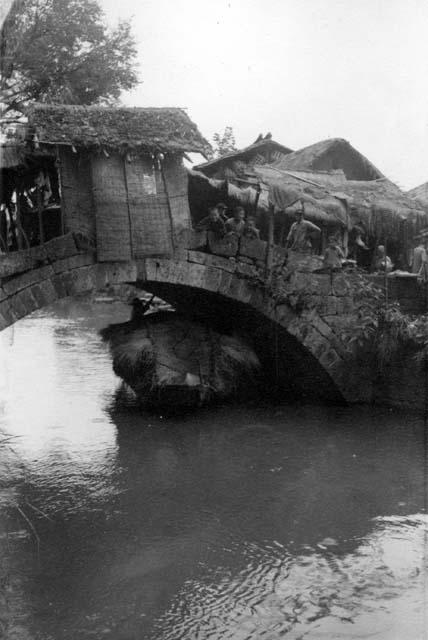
x: 34, y: 278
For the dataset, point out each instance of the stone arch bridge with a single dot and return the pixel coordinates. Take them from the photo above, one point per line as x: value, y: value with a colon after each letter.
x: 296, y: 319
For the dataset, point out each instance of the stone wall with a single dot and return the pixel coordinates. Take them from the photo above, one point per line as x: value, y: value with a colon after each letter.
x: 33, y: 279
x: 312, y: 309
x: 403, y: 383
x: 410, y: 292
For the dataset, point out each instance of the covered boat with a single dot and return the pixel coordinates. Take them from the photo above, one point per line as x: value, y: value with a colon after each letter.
x: 171, y: 362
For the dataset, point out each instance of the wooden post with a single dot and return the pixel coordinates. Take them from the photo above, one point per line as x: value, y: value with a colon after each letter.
x: 125, y: 182
x: 40, y: 215
x: 20, y: 232
x: 386, y: 272
x: 18, y: 221
x: 60, y: 188
x: 256, y: 202
x: 270, y: 244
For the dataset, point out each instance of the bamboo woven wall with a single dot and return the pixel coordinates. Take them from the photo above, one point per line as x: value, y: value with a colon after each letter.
x: 176, y: 183
x: 111, y: 209
x: 76, y: 197
x: 140, y: 208
x: 149, y: 212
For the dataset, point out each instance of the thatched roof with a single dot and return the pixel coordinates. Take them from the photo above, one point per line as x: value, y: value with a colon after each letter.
x: 146, y: 129
x: 261, y: 148
x: 328, y: 155
x: 379, y: 206
x: 420, y: 193
x: 382, y: 207
x: 286, y: 189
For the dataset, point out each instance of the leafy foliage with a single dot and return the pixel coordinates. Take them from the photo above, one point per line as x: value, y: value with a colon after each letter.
x: 224, y: 142
x: 377, y: 329
x: 383, y: 328
x: 61, y: 51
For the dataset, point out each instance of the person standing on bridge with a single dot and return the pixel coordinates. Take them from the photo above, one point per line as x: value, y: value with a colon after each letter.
x: 250, y: 230
x: 236, y: 224
x: 383, y: 262
x: 301, y: 233
x: 333, y: 255
x: 212, y: 222
x: 222, y: 210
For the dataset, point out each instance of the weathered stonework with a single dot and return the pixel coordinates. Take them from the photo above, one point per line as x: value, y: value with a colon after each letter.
x: 313, y: 310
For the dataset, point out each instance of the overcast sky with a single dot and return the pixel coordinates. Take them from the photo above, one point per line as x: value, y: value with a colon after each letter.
x: 305, y: 70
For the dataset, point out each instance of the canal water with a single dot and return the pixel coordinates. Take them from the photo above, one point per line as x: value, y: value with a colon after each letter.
x: 233, y: 523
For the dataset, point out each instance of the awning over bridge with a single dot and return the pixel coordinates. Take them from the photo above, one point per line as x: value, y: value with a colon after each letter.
x: 378, y: 206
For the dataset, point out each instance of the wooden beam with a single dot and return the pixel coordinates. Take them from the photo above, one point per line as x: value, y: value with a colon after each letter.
x: 270, y: 242
x: 40, y: 215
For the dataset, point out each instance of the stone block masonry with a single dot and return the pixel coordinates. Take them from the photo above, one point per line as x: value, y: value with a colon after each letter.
x: 313, y: 311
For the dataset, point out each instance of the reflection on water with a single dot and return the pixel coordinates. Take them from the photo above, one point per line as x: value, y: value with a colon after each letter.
x: 238, y: 523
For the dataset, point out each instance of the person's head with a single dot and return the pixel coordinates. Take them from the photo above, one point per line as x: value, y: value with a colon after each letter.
x: 213, y: 213
x: 251, y: 222
x: 300, y: 212
x: 239, y: 213
x: 381, y: 251
x: 221, y: 208
x: 332, y: 240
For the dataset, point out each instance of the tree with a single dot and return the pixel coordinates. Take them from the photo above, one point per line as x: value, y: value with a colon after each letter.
x: 61, y: 51
x: 224, y: 143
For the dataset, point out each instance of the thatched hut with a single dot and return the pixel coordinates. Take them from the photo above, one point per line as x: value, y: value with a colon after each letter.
x: 333, y: 200
x: 420, y: 194
x: 263, y: 150
x: 117, y: 173
x: 329, y: 155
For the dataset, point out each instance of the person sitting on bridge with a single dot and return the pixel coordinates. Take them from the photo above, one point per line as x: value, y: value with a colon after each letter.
x: 250, y: 230
x: 383, y: 262
x: 236, y: 224
x: 212, y: 222
x: 301, y: 232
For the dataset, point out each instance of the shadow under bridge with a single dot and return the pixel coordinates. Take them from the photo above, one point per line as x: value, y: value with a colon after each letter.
x: 298, y: 360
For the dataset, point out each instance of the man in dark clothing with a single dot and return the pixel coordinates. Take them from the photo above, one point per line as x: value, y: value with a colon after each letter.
x: 3, y: 230
x: 222, y: 210
x: 212, y: 222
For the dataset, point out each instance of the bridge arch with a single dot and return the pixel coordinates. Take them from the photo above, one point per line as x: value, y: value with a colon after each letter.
x: 301, y: 350
x: 35, y: 288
